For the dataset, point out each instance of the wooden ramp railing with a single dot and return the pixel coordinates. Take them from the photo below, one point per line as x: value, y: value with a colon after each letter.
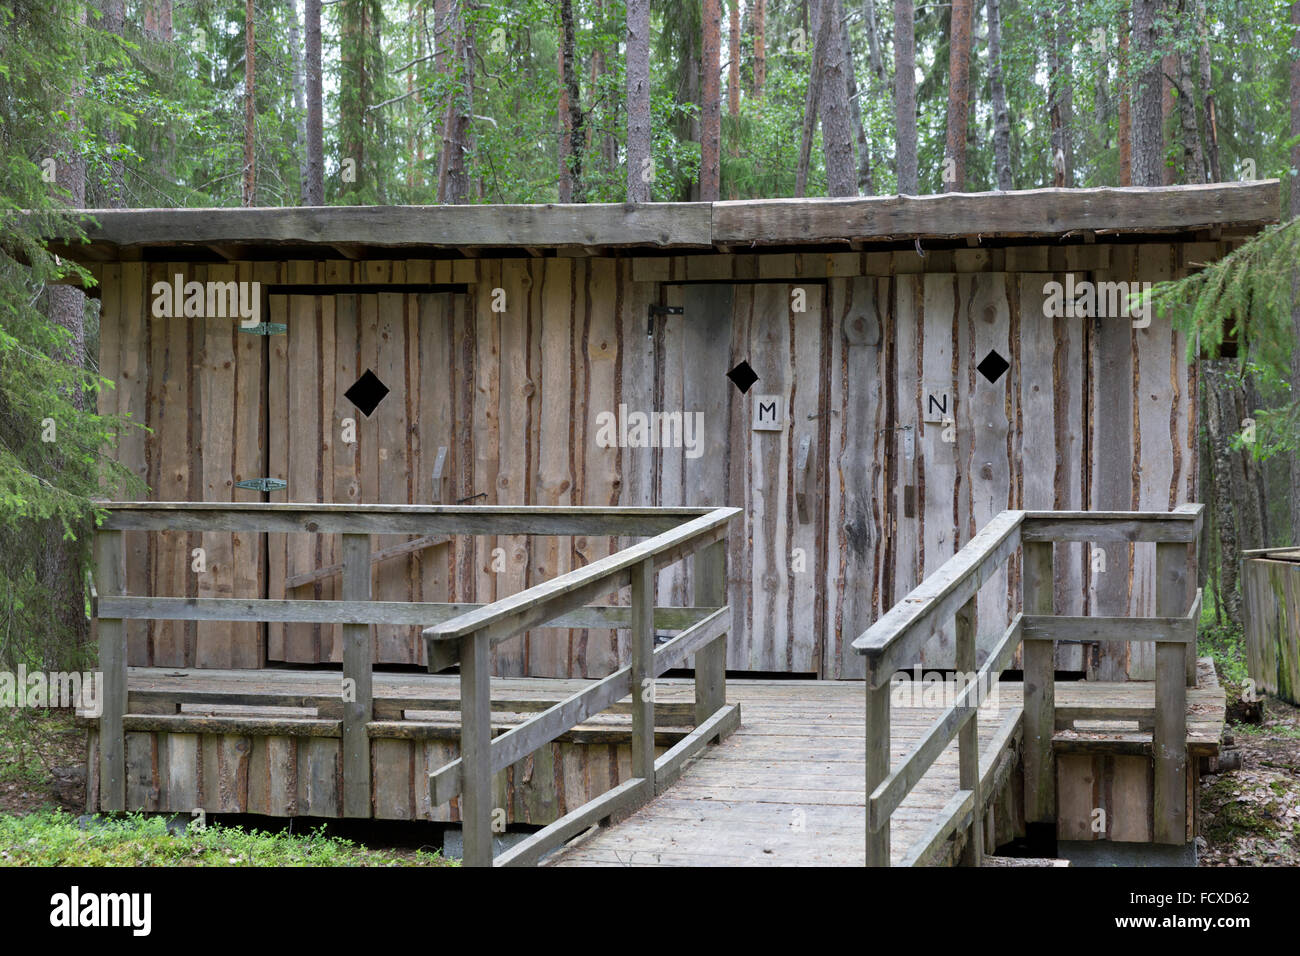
x: 457, y: 633
x: 895, y: 641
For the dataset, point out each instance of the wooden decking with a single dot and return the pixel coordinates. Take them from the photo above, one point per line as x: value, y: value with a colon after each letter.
x: 787, y: 788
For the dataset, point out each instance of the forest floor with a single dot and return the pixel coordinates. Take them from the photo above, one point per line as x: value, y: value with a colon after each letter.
x: 43, y: 820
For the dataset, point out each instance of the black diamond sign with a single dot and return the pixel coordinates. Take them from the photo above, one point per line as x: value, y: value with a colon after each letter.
x: 992, y: 366
x: 367, y: 392
x: 743, y: 377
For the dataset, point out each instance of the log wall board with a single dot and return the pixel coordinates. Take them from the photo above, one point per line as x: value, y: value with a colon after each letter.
x: 519, y: 372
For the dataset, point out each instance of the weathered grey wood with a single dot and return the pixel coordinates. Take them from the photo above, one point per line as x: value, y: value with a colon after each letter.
x: 110, y: 580
x: 643, y: 676
x: 944, y: 825
x: 1040, y: 689
x: 542, y: 602
x: 713, y: 628
x: 328, y: 518
x: 234, y: 724
x: 368, y: 612
x: 1043, y: 627
x: 1181, y: 524
x: 896, y: 639
x: 968, y: 754
x: 405, y: 227
x: 475, y: 749
x: 1168, y: 741
x: 668, y: 767
x: 519, y: 742
x: 877, y: 768
x: 1030, y: 212
x: 383, y: 554
x: 886, y: 797
x: 711, y: 660
x: 631, y: 793
x: 358, y: 697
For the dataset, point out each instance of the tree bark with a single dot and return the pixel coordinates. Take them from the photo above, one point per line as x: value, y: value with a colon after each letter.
x: 453, y: 179
x: 299, y: 104
x: 639, y: 170
x: 733, y: 59
x: 1208, y: 110
x: 711, y: 103
x: 837, y: 132
x: 314, y: 187
x: 760, y: 48
x: 1148, y: 126
x: 1060, y: 96
x: 1125, y: 119
x: 866, y: 186
x: 250, y: 114
x: 810, y: 102
x: 958, y: 96
x: 1193, y: 158
x: 1295, y: 276
x: 998, y: 91
x: 905, y: 95
x: 570, y: 110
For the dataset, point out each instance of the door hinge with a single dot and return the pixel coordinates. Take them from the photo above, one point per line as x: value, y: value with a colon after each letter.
x: 262, y: 484
x: 265, y: 328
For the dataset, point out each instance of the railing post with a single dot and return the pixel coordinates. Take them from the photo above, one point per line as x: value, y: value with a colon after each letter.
x: 1039, y: 690
x: 711, y: 660
x: 968, y: 741
x: 1169, y: 738
x: 475, y: 749
x: 110, y: 580
x: 358, y: 700
x: 877, y: 744
x: 643, y: 649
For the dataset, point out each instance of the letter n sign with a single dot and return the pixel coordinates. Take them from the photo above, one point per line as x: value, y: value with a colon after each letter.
x: 937, y: 402
x: 769, y: 413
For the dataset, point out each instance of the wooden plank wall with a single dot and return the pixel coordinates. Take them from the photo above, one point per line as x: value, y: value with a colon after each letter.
x: 511, y: 383
x: 1272, y: 625
x: 301, y: 776
x: 199, y: 385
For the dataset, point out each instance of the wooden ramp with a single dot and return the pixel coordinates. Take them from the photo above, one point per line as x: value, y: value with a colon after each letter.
x: 787, y: 788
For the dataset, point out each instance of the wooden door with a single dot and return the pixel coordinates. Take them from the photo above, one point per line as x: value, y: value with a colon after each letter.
x: 327, y: 449
x: 776, y: 556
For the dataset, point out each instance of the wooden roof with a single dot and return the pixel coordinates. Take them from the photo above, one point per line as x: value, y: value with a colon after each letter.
x: 360, y: 232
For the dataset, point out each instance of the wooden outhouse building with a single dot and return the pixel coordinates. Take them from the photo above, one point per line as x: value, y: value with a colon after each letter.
x: 918, y: 365
x: 760, y: 453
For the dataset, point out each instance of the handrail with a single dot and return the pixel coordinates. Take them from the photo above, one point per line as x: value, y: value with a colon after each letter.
x: 896, y: 639
x: 469, y: 637
x: 459, y: 632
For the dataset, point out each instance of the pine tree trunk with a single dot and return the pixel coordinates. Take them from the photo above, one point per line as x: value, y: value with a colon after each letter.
x: 250, y: 114
x: 998, y: 91
x: 1148, y: 125
x: 639, y: 169
x: 453, y: 179
x: 837, y: 132
x: 954, y: 178
x: 760, y: 48
x: 1125, y: 118
x: 733, y: 60
x: 810, y: 102
x: 299, y: 104
x: 314, y: 188
x: 1211, y: 121
x: 866, y: 186
x: 711, y: 103
x: 1295, y: 277
x: 571, y: 106
x: 905, y: 95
